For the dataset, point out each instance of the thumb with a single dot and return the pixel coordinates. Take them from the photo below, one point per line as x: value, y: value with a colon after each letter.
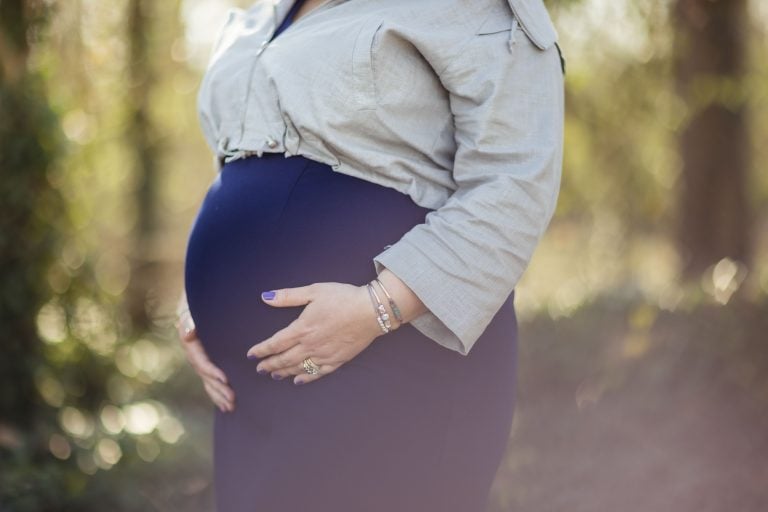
x: 286, y: 297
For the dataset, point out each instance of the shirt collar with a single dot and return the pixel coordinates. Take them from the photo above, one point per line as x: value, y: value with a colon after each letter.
x: 280, y: 9
x: 283, y: 7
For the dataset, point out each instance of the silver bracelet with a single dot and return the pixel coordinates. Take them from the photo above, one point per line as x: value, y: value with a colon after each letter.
x: 381, y: 313
x: 181, y: 312
x: 392, y: 304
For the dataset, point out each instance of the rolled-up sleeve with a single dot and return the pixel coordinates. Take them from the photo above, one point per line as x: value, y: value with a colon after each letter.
x: 466, y: 258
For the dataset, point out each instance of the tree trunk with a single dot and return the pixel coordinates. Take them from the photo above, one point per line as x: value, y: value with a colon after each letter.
x: 144, y: 148
x: 714, y: 220
x: 30, y: 211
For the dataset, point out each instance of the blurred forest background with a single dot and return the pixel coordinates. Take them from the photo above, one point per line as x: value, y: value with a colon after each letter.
x: 644, y: 321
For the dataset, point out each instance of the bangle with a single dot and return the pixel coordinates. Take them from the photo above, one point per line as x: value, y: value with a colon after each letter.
x: 179, y: 315
x: 392, y: 304
x: 381, y: 313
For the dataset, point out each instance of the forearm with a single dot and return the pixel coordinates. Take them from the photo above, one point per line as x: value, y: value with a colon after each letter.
x: 407, y: 301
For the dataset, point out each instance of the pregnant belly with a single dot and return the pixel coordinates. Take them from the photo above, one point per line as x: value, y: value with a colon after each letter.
x: 231, y: 252
x: 271, y: 222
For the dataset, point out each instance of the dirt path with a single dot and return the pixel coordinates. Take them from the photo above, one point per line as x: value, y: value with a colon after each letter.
x: 669, y: 413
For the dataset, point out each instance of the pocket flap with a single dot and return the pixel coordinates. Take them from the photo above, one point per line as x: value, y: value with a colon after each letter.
x: 495, y: 24
x: 535, y: 22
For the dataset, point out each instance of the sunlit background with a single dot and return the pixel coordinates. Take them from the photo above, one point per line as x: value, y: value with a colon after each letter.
x: 644, y: 322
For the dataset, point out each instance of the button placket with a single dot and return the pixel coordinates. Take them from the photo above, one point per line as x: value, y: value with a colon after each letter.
x: 263, y: 46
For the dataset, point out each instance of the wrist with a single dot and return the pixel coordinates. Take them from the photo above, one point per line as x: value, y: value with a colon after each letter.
x: 384, y: 318
x: 183, y: 321
x: 407, y: 302
x: 388, y: 304
x: 372, y: 311
x: 181, y: 305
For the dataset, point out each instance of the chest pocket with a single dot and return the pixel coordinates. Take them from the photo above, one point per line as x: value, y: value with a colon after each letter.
x: 500, y: 21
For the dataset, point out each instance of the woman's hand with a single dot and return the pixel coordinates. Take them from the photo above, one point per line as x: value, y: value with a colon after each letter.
x: 214, y: 380
x: 337, y: 323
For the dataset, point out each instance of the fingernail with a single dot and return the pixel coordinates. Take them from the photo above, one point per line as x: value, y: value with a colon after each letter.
x: 261, y: 371
x: 268, y: 295
x: 277, y: 376
x: 299, y: 382
x: 251, y: 356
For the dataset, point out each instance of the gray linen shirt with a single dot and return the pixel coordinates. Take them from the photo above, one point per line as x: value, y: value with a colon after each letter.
x: 457, y: 103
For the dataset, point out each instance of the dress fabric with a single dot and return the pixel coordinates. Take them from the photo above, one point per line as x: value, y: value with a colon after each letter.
x: 407, y: 425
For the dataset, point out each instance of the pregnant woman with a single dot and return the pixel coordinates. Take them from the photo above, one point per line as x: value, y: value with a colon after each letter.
x: 386, y: 169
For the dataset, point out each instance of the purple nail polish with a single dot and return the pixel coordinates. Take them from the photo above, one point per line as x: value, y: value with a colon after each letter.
x: 299, y: 382
x: 276, y: 376
x: 268, y: 295
x: 261, y: 371
x: 252, y: 356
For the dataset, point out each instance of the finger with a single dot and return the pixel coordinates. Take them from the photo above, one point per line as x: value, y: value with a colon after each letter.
x: 227, y: 392
x: 293, y: 357
x: 215, y: 396
x: 304, y: 377
x: 281, y: 341
x: 200, y: 361
x: 221, y: 395
x: 324, y: 369
x: 214, y: 371
x: 286, y: 297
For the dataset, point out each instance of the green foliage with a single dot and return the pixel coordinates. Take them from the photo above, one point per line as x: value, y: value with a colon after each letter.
x: 30, y: 216
x: 84, y: 423
x: 32, y: 221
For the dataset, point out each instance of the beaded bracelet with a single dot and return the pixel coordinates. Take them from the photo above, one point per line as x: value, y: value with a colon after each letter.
x: 392, y: 304
x: 381, y: 313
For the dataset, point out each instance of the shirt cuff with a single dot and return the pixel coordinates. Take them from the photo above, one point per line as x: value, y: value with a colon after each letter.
x: 450, y: 321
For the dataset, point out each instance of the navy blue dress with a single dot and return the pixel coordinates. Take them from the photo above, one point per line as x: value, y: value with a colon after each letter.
x: 407, y: 425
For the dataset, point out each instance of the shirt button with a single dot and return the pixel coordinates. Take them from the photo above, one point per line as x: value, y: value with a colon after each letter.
x: 271, y: 143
